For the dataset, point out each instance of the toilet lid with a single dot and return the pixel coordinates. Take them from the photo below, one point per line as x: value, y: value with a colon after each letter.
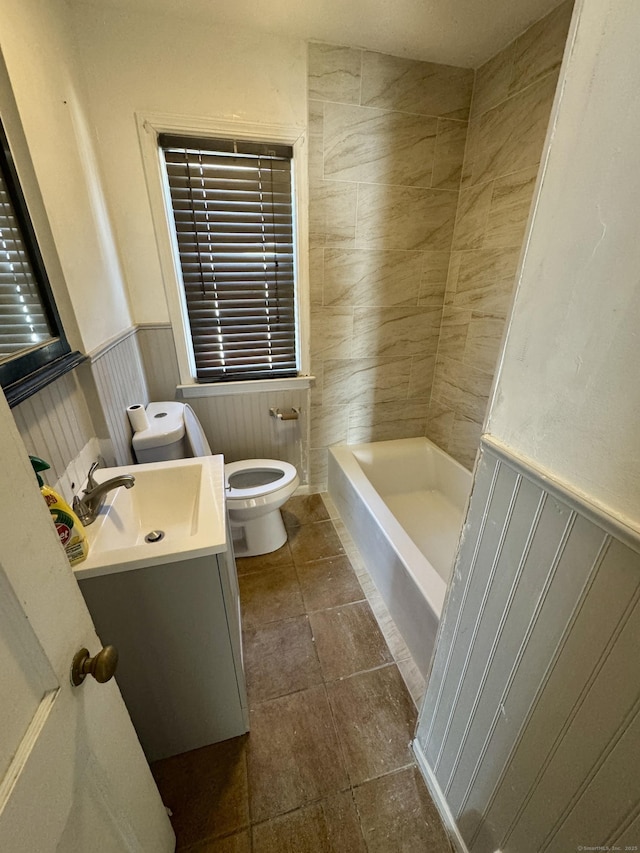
x: 254, y: 478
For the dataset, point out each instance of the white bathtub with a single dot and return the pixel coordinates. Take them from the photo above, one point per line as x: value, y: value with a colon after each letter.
x: 403, y: 502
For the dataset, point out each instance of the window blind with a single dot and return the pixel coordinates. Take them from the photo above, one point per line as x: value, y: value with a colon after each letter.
x: 23, y: 320
x: 233, y: 214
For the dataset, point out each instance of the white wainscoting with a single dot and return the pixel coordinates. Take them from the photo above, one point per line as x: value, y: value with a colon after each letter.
x: 120, y: 381
x: 159, y: 359
x: 56, y: 425
x: 237, y: 425
x: 531, y: 720
x: 241, y: 427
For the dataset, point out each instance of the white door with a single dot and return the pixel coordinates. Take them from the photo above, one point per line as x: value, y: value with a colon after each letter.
x: 73, y: 777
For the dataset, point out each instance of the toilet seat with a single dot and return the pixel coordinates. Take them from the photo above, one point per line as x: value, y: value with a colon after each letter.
x: 284, y: 471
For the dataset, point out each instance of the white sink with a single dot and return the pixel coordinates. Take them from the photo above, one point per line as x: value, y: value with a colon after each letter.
x: 183, y: 500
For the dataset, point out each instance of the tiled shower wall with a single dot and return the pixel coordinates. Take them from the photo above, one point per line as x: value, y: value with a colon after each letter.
x: 387, y: 141
x: 510, y: 111
x: 387, y: 135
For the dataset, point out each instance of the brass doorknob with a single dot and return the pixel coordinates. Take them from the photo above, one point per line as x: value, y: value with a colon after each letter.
x: 102, y: 666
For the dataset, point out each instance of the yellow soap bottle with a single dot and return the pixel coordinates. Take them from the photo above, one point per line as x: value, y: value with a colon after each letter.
x: 68, y: 525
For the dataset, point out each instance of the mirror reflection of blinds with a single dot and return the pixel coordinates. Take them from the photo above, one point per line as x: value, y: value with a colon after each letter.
x: 233, y: 216
x: 23, y: 322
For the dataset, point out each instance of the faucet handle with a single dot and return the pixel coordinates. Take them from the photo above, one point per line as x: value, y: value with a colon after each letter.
x: 91, y: 483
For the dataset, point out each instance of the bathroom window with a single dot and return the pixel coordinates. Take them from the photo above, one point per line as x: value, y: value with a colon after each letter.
x: 33, y: 347
x: 233, y: 212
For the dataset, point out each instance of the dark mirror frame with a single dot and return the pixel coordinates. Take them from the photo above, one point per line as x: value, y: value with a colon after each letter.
x: 28, y: 372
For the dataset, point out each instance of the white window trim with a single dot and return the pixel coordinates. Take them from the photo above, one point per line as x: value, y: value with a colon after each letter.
x: 150, y: 126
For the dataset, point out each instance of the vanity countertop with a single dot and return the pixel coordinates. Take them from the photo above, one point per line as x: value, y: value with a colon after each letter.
x: 181, y: 503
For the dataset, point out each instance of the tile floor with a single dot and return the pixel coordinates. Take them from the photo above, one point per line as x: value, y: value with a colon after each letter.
x: 326, y: 767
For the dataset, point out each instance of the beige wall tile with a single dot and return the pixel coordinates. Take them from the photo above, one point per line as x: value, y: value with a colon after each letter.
x: 452, y: 277
x: 378, y: 146
x: 331, y: 333
x: 365, y: 380
x: 464, y: 441
x: 404, y: 218
x: 334, y: 73
x: 316, y: 276
x: 332, y: 214
x: 461, y: 387
x: 446, y: 382
x: 449, y: 154
x: 316, y: 141
x: 386, y: 248
x: 485, y: 280
x: 439, y: 424
x: 370, y: 277
x: 317, y: 370
x: 539, y: 50
x: 471, y: 217
x: 493, y: 80
x: 387, y: 421
x: 453, y: 333
x: 512, y: 134
x: 395, y: 331
x: 484, y: 337
x: 318, y: 467
x: 329, y: 426
x: 509, y: 208
x: 421, y: 376
x: 394, y: 83
x: 435, y: 268
x: 470, y: 152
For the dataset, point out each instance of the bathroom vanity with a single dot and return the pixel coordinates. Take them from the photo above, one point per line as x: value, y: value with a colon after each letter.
x: 171, y: 608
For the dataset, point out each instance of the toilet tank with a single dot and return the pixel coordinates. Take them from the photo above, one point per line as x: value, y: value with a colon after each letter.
x: 164, y: 438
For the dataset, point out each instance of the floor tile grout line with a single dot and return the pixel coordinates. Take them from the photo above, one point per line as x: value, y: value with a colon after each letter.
x: 350, y: 788
x: 376, y: 601
x: 326, y: 684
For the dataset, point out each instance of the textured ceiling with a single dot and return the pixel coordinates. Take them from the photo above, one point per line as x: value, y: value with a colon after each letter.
x: 456, y: 32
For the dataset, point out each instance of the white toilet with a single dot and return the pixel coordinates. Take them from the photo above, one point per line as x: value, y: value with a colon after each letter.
x: 255, y: 488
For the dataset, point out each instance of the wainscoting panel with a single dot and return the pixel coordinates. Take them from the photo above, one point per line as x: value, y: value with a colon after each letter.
x: 56, y: 425
x: 160, y: 361
x: 241, y: 427
x: 120, y: 381
x: 531, y: 722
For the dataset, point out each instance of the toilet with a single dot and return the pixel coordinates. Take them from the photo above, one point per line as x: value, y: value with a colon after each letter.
x: 255, y: 488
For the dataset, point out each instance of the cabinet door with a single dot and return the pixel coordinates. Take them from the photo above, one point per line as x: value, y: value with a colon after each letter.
x: 176, y: 641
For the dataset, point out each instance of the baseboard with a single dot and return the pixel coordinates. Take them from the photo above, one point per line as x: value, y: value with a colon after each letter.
x: 439, y: 799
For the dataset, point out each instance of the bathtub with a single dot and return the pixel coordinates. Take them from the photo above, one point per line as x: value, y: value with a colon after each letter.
x: 403, y: 502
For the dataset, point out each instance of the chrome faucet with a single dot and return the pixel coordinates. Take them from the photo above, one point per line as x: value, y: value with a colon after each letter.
x: 89, y: 505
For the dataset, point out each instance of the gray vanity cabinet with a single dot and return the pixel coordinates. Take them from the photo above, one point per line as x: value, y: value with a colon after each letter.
x: 177, y: 630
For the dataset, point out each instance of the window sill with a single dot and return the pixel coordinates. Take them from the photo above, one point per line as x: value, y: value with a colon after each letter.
x: 227, y: 389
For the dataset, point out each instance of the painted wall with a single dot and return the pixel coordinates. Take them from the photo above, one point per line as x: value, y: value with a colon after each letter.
x: 47, y: 86
x: 512, y: 99
x: 42, y: 112
x: 137, y: 63
x: 568, y: 395
x: 387, y: 143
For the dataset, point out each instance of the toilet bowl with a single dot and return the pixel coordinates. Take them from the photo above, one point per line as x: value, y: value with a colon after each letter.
x: 255, y: 488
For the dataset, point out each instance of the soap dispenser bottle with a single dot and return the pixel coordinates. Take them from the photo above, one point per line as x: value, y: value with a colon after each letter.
x: 68, y: 526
